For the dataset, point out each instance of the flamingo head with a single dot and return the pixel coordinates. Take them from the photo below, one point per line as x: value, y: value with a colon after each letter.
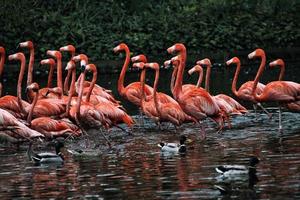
x: 139, y: 65
x: 139, y: 58
x: 154, y: 66
x: 56, y: 90
x: 48, y: 61
x: 27, y: 44
x: 33, y: 87
x: 54, y: 53
x: 196, y: 68
x: 16, y: 56
x: 278, y: 62
x: 233, y: 60
x: 70, y: 65
x: 82, y: 58
x: 2, y: 50
x: 204, y: 62
x: 69, y: 48
x: 120, y: 47
x: 256, y: 53
x: 167, y: 64
x: 91, y: 68
x: 176, y: 47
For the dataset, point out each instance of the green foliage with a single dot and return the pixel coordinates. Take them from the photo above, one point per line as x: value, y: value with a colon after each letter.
x: 95, y: 27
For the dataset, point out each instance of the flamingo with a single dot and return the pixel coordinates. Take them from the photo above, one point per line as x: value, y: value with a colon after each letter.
x: 295, y: 106
x: 175, y: 61
x: 276, y: 91
x: 49, y: 127
x: 236, y: 107
x: 15, y: 105
x: 44, y: 92
x: 196, y: 102
x: 57, y: 56
x: 84, y: 113
x: 170, y: 111
x: 131, y: 92
x: 199, y: 69
x: 147, y: 105
x: 14, y: 130
x: 2, y: 60
x: 109, y: 110
x: 68, y: 48
x: 30, y: 46
x: 97, y: 90
x: 245, y: 90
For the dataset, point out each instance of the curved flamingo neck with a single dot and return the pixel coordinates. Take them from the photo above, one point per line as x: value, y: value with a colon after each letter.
x: 93, y: 82
x: 142, y: 81
x: 123, y: 72
x: 258, y: 75
x: 35, y: 99
x: 1, y: 70
x: 19, y: 87
x: 59, y: 73
x: 173, y: 78
x: 30, y: 66
x: 80, y: 94
x: 200, y: 78
x: 207, y: 77
x: 72, y: 89
x: 155, y: 91
x: 179, y: 77
x: 282, y: 71
x: 50, y: 75
x: 66, y: 82
x: 234, y: 81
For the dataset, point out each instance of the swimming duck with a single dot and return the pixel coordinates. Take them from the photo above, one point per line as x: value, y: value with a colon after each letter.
x: 174, y: 147
x: 47, y: 157
x: 228, y: 170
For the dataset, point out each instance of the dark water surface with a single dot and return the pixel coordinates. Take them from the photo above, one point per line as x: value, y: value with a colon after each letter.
x: 135, y: 169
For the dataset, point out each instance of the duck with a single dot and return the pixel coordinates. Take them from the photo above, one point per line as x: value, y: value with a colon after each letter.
x: 174, y: 147
x: 229, y: 170
x: 47, y: 157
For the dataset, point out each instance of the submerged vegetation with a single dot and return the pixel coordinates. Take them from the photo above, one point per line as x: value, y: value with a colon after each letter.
x: 95, y: 27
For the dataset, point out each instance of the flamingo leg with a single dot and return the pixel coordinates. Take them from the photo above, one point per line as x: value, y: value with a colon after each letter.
x: 280, y: 121
x: 202, y: 131
x: 265, y: 110
x: 141, y: 118
x: 255, y: 110
x: 107, y: 140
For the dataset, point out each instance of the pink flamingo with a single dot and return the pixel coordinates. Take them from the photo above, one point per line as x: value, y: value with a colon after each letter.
x: 169, y: 111
x: 57, y: 56
x: 68, y: 48
x: 276, y: 91
x: 84, y: 113
x: 131, y: 92
x: 44, y: 92
x: 295, y: 106
x: 49, y: 127
x: 196, y: 102
x: 245, y: 90
x: 30, y: 46
x: 236, y: 107
x: 97, y: 90
x: 109, y: 110
x: 15, y: 105
x: 175, y: 61
x: 14, y: 130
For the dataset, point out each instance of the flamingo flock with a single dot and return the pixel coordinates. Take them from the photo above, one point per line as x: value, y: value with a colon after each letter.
x: 75, y: 105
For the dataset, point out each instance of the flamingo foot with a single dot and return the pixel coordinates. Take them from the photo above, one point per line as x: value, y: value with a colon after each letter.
x: 202, y: 133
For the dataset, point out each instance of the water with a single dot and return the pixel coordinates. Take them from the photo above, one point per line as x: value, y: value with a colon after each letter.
x: 135, y: 169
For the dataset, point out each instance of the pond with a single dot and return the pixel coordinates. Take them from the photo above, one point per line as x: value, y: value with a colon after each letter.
x: 135, y: 169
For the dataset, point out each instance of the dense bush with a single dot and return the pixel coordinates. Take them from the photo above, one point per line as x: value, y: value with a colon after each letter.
x: 95, y: 27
